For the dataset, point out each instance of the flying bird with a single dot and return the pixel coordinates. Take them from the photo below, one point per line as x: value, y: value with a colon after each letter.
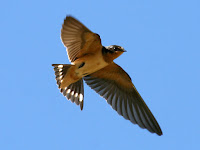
x: 93, y: 63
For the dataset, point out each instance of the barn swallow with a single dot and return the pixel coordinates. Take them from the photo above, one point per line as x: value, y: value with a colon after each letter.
x: 92, y: 62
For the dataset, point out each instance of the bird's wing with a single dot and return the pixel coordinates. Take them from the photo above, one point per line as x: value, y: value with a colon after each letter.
x: 77, y: 38
x: 115, y: 85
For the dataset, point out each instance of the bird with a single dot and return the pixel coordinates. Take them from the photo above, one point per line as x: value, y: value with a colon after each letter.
x: 94, y: 63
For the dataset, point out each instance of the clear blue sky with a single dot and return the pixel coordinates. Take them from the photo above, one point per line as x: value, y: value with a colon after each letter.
x: 162, y: 39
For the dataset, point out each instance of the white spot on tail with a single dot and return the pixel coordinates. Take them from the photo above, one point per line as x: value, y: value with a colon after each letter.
x: 76, y: 95
x: 72, y: 93
x: 68, y: 91
x: 60, y: 70
x: 80, y: 97
x: 60, y: 66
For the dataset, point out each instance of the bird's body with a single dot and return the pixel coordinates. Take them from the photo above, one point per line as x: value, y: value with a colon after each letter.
x: 89, y: 64
x: 94, y: 63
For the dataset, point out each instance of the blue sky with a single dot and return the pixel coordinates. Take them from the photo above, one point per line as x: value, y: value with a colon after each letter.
x: 163, y: 51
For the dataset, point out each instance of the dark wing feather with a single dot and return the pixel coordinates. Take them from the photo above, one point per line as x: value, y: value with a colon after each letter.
x: 115, y: 85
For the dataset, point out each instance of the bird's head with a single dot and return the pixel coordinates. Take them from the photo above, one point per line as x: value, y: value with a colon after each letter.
x: 112, y: 52
x: 115, y: 49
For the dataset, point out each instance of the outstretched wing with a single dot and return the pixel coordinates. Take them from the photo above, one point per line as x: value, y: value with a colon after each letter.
x: 115, y: 85
x: 78, y: 38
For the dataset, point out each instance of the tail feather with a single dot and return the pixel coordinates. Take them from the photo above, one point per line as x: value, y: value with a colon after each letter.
x: 74, y: 91
x: 60, y: 72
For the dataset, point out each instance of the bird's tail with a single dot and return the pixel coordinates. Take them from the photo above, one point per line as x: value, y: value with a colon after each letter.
x: 60, y: 72
x: 74, y: 91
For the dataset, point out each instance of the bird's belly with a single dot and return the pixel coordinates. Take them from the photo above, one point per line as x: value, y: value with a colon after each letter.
x: 90, y: 65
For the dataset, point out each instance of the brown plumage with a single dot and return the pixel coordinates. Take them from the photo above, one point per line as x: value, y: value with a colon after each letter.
x: 94, y: 63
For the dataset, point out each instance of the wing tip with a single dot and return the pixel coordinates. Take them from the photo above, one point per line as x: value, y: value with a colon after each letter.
x: 69, y: 17
x: 159, y: 132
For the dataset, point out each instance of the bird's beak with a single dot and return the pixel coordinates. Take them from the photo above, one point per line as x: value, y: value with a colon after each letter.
x: 122, y: 50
